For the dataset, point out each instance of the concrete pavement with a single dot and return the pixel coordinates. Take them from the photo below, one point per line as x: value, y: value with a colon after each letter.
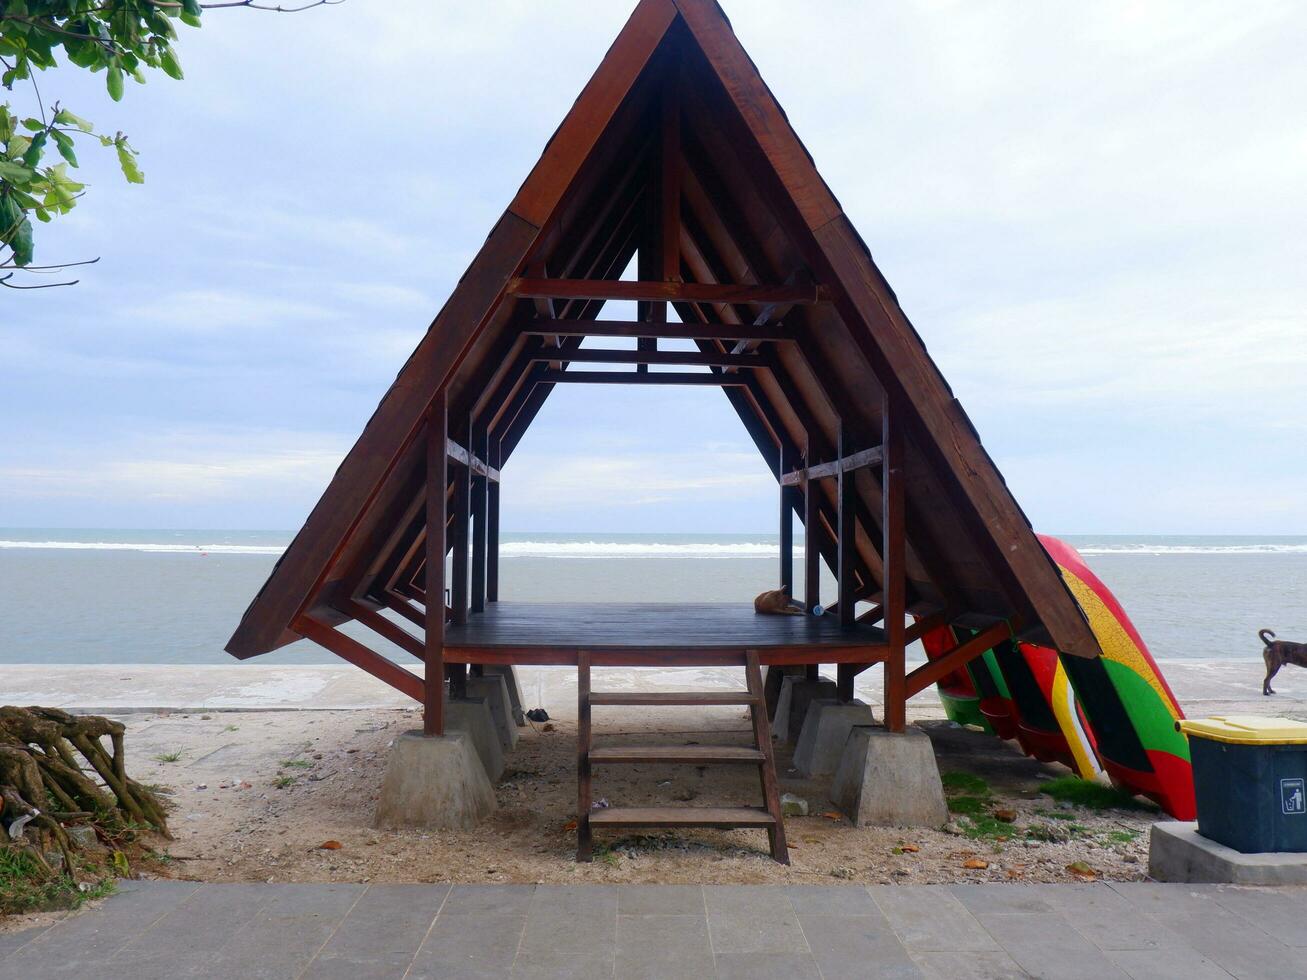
x: 167, y: 929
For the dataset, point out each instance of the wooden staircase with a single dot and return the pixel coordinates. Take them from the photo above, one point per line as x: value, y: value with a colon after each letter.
x: 766, y: 817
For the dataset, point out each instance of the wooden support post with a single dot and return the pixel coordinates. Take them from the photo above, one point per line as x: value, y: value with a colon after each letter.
x: 492, y: 526
x: 893, y: 553
x: 848, y: 544
x: 480, y: 485
x: 811, y: 546
x: 583, y: 739
x: 787, y: 526
x: 458, y: 566
x: 433, y: 695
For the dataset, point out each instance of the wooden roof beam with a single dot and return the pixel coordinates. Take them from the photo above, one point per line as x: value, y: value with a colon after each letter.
x: 647, y: 378
x: 675, y: 331
x: 665, y: 357
x: 604, y: 290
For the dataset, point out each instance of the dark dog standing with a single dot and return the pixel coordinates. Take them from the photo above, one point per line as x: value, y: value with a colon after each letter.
x: 1277, y: 654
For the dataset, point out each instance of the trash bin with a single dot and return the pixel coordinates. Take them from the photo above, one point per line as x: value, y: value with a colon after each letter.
x: 1250, y: 781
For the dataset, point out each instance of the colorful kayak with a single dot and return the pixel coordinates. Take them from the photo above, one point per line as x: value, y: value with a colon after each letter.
x: 1113, y: 714
x: 1130, y: 709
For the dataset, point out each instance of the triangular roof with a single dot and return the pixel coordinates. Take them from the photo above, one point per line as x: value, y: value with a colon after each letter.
x: 753, y: 210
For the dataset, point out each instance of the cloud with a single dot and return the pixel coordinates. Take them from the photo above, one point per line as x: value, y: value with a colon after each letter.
x: 542, y: 483
x: 194, y: 465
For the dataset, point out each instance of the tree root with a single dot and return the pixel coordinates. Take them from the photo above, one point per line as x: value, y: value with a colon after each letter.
x: 45, y: 757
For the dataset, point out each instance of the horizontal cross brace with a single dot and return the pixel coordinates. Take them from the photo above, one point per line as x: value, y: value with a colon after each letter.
x: 961, y: 655
x: 645, y: 378
x: 824, y: 471
x: 460, y: 456
x: 671, y: 292
x: 675, y: 331
x: 653, y: 357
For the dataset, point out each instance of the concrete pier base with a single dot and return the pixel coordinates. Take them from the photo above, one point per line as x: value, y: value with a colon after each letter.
x: 824, y: 733
x: 472, y: 717
x: 1177, y: 852
x: 889, y: 779
x: 494, y: 688
x: 797, y: 692
x: 436, y: 783
x: 509, y: 673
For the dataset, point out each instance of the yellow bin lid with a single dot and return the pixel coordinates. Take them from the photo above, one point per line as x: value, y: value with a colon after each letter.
x: 1246, y: 729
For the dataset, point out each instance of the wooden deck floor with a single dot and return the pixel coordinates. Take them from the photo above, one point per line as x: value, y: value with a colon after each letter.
x: 654, y: 633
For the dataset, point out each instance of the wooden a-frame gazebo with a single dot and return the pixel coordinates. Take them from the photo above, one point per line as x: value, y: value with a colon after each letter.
x: 675, y: 154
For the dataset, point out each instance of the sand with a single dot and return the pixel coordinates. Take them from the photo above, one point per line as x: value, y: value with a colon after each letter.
x: 257, y: 794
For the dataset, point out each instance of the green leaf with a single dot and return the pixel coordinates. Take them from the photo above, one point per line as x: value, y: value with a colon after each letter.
x: 68, y: 119
x: 192, y: 7
x: 35, y: 125
x: 168, y: 62
x: 65, y: 144
x: 15, y: 173
x: 33, y: 155
x: 127, y: 160
x: 21, y: 243
x: 114, y: 82
x: 10, y: 215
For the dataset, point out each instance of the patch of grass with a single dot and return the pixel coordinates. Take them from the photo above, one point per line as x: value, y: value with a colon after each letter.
x: 1055, y: 814
x: 168, y: 756
x: 25, y: 887
x: 295, y: 763
x: 971, y: 806
x: 282, y: 782
x: 1094, y: 796
x: 1122, y: 836
x: 964, y: 782
x: 232, y: 728
x: 604, y: 853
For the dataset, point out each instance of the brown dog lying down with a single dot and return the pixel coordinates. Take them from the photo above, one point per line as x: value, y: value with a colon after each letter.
x: 776, y: 602
x: 1277, y: 654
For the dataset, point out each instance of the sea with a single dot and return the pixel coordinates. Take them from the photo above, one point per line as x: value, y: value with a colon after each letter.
x: 91, y: 595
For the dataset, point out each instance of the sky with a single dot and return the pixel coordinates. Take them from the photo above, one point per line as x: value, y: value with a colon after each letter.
x: 1094, y: 214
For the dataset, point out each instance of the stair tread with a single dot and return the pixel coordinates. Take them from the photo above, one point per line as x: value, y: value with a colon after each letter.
x: 681, y: 816
x: 677, y: 753
x: 672, y: 697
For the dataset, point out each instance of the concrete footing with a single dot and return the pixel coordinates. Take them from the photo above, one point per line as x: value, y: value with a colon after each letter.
x: 472, y: 716
x: 1177, y: 852
x: 824, y: 733
x: 509, y: 673
x: 434, y: 783
x: 797, y: 692
x: 889, y: 779
x: 494, y: 688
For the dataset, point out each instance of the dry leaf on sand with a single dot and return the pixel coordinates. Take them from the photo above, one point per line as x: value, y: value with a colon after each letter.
x: 975, y: 864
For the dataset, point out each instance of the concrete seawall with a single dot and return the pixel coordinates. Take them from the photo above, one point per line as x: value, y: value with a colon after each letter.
x: 1204, y: 687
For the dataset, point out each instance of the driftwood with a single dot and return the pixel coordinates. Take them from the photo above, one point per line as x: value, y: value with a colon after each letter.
x: 55, y: 767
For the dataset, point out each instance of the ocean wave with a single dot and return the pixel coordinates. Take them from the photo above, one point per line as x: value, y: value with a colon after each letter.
x: 1158, y: 550
x: 149, y: 546
x: 635, y: 549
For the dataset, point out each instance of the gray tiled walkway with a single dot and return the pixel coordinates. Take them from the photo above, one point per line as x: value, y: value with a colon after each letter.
x: 179, y: 929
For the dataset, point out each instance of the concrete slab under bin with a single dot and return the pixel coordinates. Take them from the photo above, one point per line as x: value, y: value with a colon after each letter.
x: 472, y: 716
x: 1177, y: 852
x: 825, y: 731
x: 434, y: 782
x: 889, y: 779
x: 494, y: 688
